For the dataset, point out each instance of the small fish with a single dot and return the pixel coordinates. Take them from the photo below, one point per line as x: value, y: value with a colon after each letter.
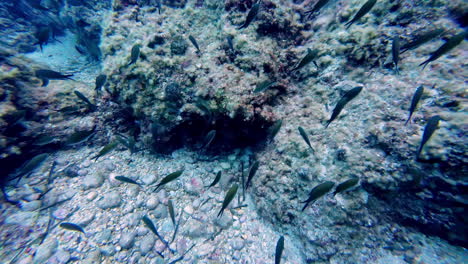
x: 79, y: 137
x: 208, y: 114
x: 80, y: 50
x: 126, y: 179
x: 252, y: 171
x: 135, y: 54
x: 70, y: 110
x: 250, y: 16
x: 421, y: 39
x: 305, y: 137
x: 216, y: 180
x: 317, y: 192
x: 83, y: 98
x: 106, y: 149
x: 263, y: 86
x: 169, y: 178
x: 228, y: 198
x: 100, y: 81
x: 363, y: 11
x: 429, y: 129
x: 72, y: 227
x: 127, y: 142
x: 43, y: 140
x: 279, y: 250
x: 159, y: 6
x: 42, y: 35
x: 414, y: 102
x: 153, y: 229
x: 229, y: 40
x: 342, y: 102
x: 309, y: 57
x: 46, y: 75
x: 208, y: 139
x: 345, y: 185
x: 318, y: 5
x: 446, y: 47
x: 32, y: 164
x: 194, y: 42
x: 275, y: 128
x: 396, y: 52
x: 170, y: 208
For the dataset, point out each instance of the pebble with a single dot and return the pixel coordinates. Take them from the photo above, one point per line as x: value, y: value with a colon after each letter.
x: 237, y: 243
x: 152, y: 203
x: 91, y: 195
x: 127, y: 240
x: 146, y: 244
x: 22, y: 218
x: 224, y: 221
x: 225, y: 165
x: 160, y: 211
x: 197, y: 230
x: 108, y: 250
x: 110, y: 200
x: 148, y: 179
x: 60, y: 256
x: 84, y: 217
x: 104, y: 236
x: 30, y: 206
x: 93, y: 257
x: 45, y: 251
x: 61, y: 213
x: 92, y: 180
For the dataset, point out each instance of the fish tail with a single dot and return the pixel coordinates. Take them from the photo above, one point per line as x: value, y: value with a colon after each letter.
x: 327, y: 124
x: 425, y: 63
x: 407, y: 120
x: 305, y: 206
x: 220, y: 212
x: 241, y: 27
x: 349, y: 23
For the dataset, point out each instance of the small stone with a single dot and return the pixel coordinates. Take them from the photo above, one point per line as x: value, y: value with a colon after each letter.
x: 225, y: 165
x: 91, y: 196
x: 224, y: 221
x: 160, y: 211
x: 146, y: 244
x: 60, y: 256
x: 127, y: 239
x: 45, y: 251
x: 61, y: 213
x: 22, y: 218
x: 110, y: 200
x: 148, y: 179
x: 30, y: 206
x: 84, y: 217
x: 188, y: 209
x: 92, y: 180
x: 237, y: 243
x: 108, y: 250
x: 93, y: 257
x: 141, y: 231
x: 152, y: 203
x: 104, y: 236
x: 197, y: 230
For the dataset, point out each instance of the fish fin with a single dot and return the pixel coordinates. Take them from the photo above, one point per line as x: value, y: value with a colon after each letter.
x: 315, y: 63
x: 221, y: 212
x: 305, y: 206
x: 327, y: 124
x: 425, y: 63
x: 45, y: 82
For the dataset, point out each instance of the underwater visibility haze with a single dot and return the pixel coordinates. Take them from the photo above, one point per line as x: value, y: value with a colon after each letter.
x: 229, y: 131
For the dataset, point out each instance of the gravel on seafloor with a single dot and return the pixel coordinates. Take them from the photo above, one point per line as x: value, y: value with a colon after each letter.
x: 111, y: 216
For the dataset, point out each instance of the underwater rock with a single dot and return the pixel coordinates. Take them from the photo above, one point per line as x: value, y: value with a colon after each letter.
x: 178, y: 45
